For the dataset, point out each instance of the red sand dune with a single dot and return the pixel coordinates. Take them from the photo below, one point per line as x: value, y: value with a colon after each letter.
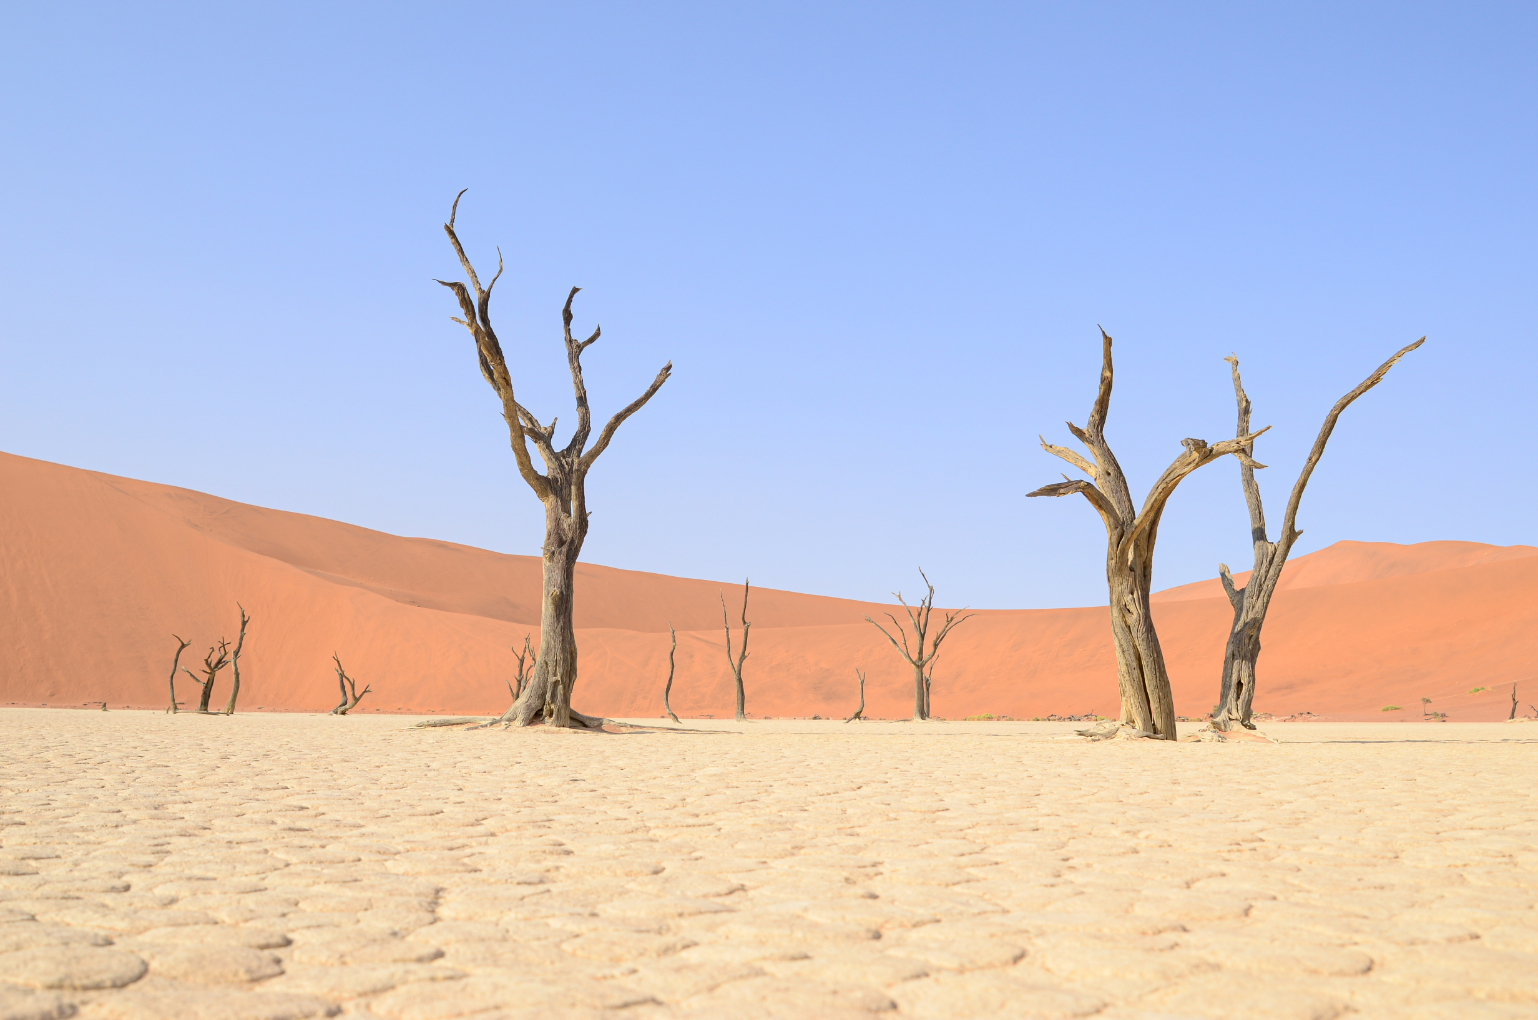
x: 99, y: 571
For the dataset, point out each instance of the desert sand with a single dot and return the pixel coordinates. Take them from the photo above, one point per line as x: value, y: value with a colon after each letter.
x: 286, y: 866
x: 99, y: 571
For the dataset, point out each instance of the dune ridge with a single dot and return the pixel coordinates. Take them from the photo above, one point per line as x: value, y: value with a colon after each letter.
x: 99, y: 571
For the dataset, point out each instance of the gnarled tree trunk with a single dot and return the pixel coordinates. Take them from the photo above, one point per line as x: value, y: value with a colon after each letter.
x: 1236, y: 696
x: 562, y: 488
x: 1146, y: 702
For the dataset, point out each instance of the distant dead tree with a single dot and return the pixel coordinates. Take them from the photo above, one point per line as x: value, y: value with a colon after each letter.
x: 229, y: 709
x: 1237, y: 693
x: 859, y: 713
x: 562, y: 489
x: 1513, y: 714
x: 668, y: 690
x: 737, y: 665
x: 349, y: 687
x: 212, y: 664
x: 1146, y: 702
x: 920, y: 659
x: 182, y: 645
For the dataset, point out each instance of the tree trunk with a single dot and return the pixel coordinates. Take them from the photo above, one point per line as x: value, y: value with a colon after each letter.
x: 555, y: 670
x: 920, y: 705
x: 208, y: 690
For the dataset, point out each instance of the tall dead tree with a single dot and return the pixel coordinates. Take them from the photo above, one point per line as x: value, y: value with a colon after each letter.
x: 349, y: 687
x: 736, y: 666
x: 562, y: 488
x: 182, y: 646
x: 1510, y: 717
x: 668, y: 690
x: 229, y: 709
x: 212, y: 664
x: 1143, y: 682
x: 1237, y: 692
x: 920, y: 659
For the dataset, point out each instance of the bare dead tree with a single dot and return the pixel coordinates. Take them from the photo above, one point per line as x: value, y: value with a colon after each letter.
x: 562, y: 488
x: 668, y: 690
x: 919, y: 658
x: 737, y: 665
x: 1237, y: 692
x: 182, y: 645
x: 1146, y: 702
x: 525, y: 661
x: 1510, y: 717
x: 859, y: 713
x: 229, y: 709
x: 349, y: 688
x: 212, y: 664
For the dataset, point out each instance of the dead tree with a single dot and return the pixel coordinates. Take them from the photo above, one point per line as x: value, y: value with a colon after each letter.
x: 918, y: 658
x: 562, y: 488
x: 1510, y: 717
x: 212, y: 664
x: 182, y: 645
x: 737, y: 665
x: 668, y: 690
x: 1146, y: 702
x: 1237, y: 692
x: 229, y: 709
x: 523, y: 666
x: 349, y: 688
x: 859, y: 713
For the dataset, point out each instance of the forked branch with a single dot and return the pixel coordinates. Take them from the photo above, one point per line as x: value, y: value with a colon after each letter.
x: 736, y: 666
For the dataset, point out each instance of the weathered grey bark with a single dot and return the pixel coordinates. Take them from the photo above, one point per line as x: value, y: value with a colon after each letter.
x: 211, y: 667
x: 1143, y: 682
x: 1236, y: 696
x: 859, y: 713
x: 182, y: 646
x: 229, y: 709
x: 349, y: 688
x: 562, y: 488
x: 918, y: 658
x: 736, y: 666
x: 668, y: 690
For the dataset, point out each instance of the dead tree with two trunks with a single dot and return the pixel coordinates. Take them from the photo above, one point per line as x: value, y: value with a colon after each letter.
x: 1144, y: 685
x: 562, y: 488
x: 919, y: 658
x: 349, y: 687
x: 736, y: 665
x: 1237, y: 693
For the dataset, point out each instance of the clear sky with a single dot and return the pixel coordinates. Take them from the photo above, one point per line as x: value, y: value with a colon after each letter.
x: 875, y: 241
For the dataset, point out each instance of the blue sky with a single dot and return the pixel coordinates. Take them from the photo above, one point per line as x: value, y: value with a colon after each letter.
x: 875, y: 241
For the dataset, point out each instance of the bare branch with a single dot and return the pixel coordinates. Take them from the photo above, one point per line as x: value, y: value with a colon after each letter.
x: 900, y: 647
x: 1196, y: 453
x: 635, y: 405
x: 1097, y: 414
x: 860, y: 712
x: 349, y: 687
x: 1096, y: 498
x: 1070, y: 456
x: 1289, y: 533
x: 1246, y: 468
x: 1235, y: 596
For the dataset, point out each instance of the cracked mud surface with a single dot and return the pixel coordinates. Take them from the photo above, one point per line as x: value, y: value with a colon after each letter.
x: 279, y: 867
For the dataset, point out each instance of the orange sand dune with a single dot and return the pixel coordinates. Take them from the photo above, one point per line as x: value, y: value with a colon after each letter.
x: 99, y: 571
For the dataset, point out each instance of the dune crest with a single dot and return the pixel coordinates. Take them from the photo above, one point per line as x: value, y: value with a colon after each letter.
x: 99, y: 571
